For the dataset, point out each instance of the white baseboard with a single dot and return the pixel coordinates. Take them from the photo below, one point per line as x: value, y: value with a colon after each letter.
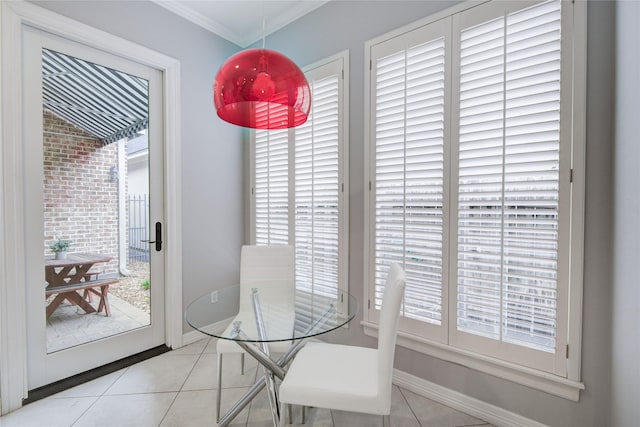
x: 461, y: 402
x: 191, y: 337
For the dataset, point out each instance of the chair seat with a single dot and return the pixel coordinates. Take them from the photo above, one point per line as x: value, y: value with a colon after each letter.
x: 334, y: 376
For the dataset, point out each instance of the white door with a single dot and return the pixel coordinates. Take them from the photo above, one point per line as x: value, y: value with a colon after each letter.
x: 94, y: 177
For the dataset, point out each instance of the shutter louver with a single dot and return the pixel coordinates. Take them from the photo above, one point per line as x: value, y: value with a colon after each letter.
x: 509, y: 143
x: 272, y: 187
x: 409, y: 171
x: 317, y: 191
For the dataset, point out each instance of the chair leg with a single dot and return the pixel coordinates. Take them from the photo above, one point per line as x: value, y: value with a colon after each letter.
x: 386, y: 421
x: 241, y: 363
x: 290, y: 414
x: 219, y: 389
x: 304, y: 414
x: 283, y: 418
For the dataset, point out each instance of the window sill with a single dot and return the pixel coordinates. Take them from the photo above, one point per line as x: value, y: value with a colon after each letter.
x: 543, y: 381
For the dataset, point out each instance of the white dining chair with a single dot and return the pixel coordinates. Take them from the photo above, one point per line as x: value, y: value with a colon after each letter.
x: 270, y: 269
x: 349, y: 378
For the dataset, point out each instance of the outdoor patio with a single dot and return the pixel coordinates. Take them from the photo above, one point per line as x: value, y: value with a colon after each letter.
x: 70, y: 325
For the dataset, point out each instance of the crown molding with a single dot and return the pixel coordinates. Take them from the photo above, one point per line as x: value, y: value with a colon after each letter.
x: 242, y: 40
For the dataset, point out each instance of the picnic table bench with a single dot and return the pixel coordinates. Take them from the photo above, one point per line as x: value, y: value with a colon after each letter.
x: 65, y: 277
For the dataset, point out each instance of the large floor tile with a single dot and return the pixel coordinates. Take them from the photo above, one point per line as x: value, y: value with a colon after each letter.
x: 260, y: 414
x: 95, y: 388
x: 130, y: 410
x: 48, y: 413
x: 433, y: 414
x: 198, y: 409
x: 204, y: 374
x: 192, y: 408
x: 161, y: 374
x: 401, y: 413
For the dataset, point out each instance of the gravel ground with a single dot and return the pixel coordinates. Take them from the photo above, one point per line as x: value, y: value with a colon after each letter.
x: 129, y: 288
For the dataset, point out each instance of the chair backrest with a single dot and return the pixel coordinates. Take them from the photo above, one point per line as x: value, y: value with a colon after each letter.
x: 271, y: 269
x: 389, y: 316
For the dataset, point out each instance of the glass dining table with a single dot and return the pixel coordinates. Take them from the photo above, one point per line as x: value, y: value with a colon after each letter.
x: 259, y: 319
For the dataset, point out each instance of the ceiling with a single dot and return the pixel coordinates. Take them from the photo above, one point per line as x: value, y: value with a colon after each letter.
x: 241, y: 21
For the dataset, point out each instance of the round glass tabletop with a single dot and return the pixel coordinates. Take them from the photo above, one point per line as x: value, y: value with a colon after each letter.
x: 267, y: 312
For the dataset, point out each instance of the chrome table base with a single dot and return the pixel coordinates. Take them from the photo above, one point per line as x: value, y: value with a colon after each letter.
x: 271, y: 367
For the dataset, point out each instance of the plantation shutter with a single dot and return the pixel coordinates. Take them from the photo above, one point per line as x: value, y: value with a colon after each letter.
x: 317, y: 186
x: 272, y: 187
x: 299, y: 189
x: 409, y: 115
x: 508, y: 179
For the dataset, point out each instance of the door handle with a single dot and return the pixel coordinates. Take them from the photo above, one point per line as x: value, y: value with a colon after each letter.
x: 158, y: 240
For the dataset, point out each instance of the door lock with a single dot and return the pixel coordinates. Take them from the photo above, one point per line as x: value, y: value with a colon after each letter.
x: 158, y: 240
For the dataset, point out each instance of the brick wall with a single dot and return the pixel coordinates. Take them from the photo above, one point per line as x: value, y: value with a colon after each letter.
x: 81, y: 203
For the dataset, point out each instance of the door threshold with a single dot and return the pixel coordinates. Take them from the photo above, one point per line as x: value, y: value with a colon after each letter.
x: 83, y: 377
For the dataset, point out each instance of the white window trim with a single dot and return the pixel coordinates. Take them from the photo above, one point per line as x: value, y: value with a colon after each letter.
x: 529, y: 377
x: 569, y: 387
x: 343, y: 167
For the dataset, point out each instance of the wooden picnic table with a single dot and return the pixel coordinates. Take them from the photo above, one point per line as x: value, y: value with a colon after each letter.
x: 67, y: 276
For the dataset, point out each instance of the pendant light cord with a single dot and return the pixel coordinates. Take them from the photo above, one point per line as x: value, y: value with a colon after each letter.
x: 264, y: 25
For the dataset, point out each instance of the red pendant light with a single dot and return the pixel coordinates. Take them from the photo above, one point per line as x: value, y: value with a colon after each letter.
x: 261, y: 89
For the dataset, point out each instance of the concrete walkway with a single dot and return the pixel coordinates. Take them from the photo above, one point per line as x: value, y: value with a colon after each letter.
x: 69, y: 325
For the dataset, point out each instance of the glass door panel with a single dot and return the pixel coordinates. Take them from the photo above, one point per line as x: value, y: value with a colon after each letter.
x: 95, y: 157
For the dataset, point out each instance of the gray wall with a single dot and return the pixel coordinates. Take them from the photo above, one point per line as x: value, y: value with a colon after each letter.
x: 212, y: 180
x: 625, y: 331
x: 213, y: 177
x: 343, y: 25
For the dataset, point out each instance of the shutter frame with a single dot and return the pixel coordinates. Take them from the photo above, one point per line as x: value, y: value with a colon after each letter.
x: 551, y: 360
x: 323, y: 135
x: 426, y: 154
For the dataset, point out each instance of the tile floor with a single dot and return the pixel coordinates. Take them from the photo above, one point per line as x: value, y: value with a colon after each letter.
x: 178, y: 389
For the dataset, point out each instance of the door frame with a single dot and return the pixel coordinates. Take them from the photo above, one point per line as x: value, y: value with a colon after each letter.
x: 13, y: 344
